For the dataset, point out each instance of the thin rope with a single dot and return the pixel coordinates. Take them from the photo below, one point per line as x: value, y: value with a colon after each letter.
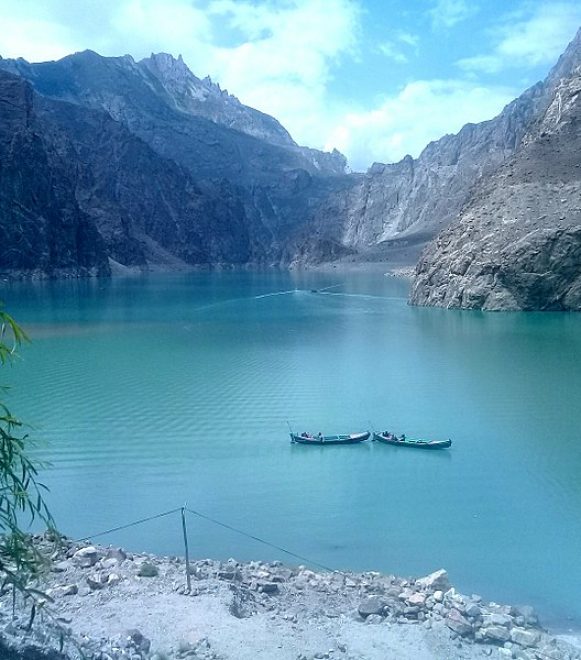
x: 132, y: 524
x: 256, y: 538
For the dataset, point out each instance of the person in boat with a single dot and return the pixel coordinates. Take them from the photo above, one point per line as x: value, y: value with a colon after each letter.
x: 402, y: 439
x: 319, y: 435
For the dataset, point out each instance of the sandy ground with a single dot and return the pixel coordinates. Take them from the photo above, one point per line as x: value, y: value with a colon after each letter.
x: 169, y: 620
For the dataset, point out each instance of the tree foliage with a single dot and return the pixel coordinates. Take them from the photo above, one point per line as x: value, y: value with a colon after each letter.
x: 21, y: 493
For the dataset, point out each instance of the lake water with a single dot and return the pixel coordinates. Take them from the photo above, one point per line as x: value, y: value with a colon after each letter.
x: 150, y: 392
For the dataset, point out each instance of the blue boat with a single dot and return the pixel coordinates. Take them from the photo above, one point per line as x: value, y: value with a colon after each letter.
x: 309, y: 439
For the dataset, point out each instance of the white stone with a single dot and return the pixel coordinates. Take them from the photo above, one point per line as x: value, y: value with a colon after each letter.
x: 437, y: 581
x: 417, y: 599
x: 86, y: 557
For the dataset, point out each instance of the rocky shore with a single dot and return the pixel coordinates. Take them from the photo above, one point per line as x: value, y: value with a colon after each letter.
x: 107, y: 604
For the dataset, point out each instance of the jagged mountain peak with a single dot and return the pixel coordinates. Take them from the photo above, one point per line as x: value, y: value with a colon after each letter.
x: 205, y: 98
x: 176, y: 73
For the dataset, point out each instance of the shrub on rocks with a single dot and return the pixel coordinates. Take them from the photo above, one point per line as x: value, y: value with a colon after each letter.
x: 148, y: 569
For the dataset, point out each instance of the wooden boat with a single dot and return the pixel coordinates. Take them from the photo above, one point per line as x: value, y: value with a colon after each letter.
x: 392, y: 439
x: 350, y: 439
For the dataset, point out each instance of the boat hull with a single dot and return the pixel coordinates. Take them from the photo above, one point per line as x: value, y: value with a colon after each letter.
x: 415, y: 444
x: 352, y: 439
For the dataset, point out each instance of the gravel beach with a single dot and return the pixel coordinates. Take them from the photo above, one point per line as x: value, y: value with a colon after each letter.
x: 109, y: 604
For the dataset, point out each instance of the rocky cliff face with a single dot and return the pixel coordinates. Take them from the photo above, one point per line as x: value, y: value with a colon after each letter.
x: 411, y: 201
x: 43, y: 229
x: 162, y: 183
x: 517, y: 243
x: 79, y: 192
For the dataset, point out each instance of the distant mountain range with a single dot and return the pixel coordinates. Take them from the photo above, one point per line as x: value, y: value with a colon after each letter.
x: 108, y: 163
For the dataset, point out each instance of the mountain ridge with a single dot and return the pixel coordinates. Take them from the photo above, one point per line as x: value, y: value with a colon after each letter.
x: 289, y: 205
x: 517, y: 242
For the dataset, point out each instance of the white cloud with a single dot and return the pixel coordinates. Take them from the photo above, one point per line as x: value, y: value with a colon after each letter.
x: 398, y: 49
x: 447, y: 13
x: 280, y: 59
x: 278, y: 56
x: 537, y: 39
x: 392, y: 52
x: 422, y: 111
x: 408, y: 38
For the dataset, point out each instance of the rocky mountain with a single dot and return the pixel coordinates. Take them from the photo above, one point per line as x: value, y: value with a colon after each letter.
x: 168, y: 169
x: 409, y: 202
x: 42, y: 226
x: 517, y: 242
x: 79, y: 193
x: 157, y: 181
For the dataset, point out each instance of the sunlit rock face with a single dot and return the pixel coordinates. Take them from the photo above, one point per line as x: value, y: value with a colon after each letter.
x: 416, y: 198
x: 517, y: 243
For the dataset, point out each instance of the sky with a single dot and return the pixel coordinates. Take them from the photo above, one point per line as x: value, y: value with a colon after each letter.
x: 376, y: 79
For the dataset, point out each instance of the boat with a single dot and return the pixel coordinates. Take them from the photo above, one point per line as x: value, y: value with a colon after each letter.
x: 392, y: 439
x: 309, y: 439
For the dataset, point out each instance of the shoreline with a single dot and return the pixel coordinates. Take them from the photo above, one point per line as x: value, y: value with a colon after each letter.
x: 113, y: 604
x: 399, y: 268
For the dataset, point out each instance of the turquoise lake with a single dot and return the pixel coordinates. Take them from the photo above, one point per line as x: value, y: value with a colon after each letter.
x: 149, y: 392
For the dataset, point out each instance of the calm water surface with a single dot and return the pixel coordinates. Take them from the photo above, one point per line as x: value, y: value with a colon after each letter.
x: 150, y: 392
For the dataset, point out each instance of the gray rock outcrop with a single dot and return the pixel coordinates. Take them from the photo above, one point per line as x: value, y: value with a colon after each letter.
x: 517, y: 242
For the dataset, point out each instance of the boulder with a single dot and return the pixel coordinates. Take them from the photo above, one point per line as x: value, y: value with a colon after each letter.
x: 372, y: 605
x: 108, y: 563
x: 86, y: 557
x: 497, y: 620
x: 417, y: 599
x: 94, y: 582
x: 64, y: 590
x: 374, y: 619
x: 116, y: 553
x: 495, y: 633
x: 524, y: 637
x: 472, y: 610
x: 458, y: 624
x: 528, y: 614
x: 437, y: 581
x: 267, y: 587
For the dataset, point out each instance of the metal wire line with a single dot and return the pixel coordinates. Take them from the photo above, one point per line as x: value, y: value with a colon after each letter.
x: 215, y: 522
x: 256, y: 538
x: 131, y: 524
